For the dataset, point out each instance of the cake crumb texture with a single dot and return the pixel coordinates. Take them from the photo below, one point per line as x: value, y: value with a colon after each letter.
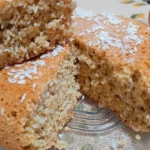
x: 31, y: 27
x: 114, y: 54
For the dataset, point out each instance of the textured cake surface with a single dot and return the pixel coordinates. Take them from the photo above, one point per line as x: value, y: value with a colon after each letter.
x: 31, y: 27
x: 36, y: 99
x: 114, y: 54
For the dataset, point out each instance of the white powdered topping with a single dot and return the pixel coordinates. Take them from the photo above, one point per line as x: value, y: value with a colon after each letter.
x: 83, y: 97
x: 38, y: 63
x: 97, y: 27
x: 9, y: 0
x: 54, y: 53
x: 113, y: 19
x: 83, y: 13
x: 82, y: 33
x: 2, y: 111
x: 7, y: 67
x: 57, y: 50
x: 107, y: 40
x: 129, y: 60
x: 45, y: 55
x: 51, y: 84
x: 60, y: 136
x: 31, y: 72
x: 23, y: 98
x: 18, y: 65
x: 132, y: 37
x: 34, y: 86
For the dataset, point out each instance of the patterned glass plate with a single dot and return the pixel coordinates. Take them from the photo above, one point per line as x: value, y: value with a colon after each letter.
x: 94, y: 128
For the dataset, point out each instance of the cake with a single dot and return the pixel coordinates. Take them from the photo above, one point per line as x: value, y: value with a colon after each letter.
x: 32, y: 27
x: 114, y: 60
x: 36, y: 99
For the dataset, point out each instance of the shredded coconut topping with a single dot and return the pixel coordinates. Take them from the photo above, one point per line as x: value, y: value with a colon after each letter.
x: 113, y: 19
x: 83, y: 13
x: 129, y: 60
x: 107, y: 40
x: 54, y: 53
x: 31, y: 71
x: 132, y: 37
x: 57, y: 50
x: 2, y: 111
x: 101, y: 36
x: 23, y: 98
x: 34, y: 86
x: 83, y: 97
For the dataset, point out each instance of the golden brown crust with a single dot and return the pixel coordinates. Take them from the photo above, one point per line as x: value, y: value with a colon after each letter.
x: 21, y: 88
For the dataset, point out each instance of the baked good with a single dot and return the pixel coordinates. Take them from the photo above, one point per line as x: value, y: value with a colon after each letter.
x: 31, y: 27
x: 114, y: 59
x: 36, y: 100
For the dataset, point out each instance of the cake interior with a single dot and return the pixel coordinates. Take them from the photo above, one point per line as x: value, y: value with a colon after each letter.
x: 54, y: 108
x: 29, y: 27
x: 114, y: 86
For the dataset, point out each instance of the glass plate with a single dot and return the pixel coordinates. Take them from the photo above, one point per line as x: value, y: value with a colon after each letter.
x: 112, y: 134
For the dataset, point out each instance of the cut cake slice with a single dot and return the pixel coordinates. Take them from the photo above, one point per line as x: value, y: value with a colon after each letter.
x: 36, y: 100
x: 114, y: 59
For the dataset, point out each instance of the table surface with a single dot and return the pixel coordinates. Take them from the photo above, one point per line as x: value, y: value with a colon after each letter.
x: 136, y: 9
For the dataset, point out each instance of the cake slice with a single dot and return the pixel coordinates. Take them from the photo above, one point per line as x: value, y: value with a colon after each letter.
x: 114, y: 59
x: 36, y: 100
x: 31, y: 27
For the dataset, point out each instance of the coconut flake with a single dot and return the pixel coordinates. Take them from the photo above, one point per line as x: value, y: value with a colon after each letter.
x: 113, y: 19
x: 23, y: 98
x: 80, y: 12
x: 83, y: 97
x: 107, y: 40
x: 21, y: 82
x: 48, y: 55
x: 2, y: 111
x: 129, y: 60
x: 57, y: 50
x: 34, y: 85
x: 31, y: 72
